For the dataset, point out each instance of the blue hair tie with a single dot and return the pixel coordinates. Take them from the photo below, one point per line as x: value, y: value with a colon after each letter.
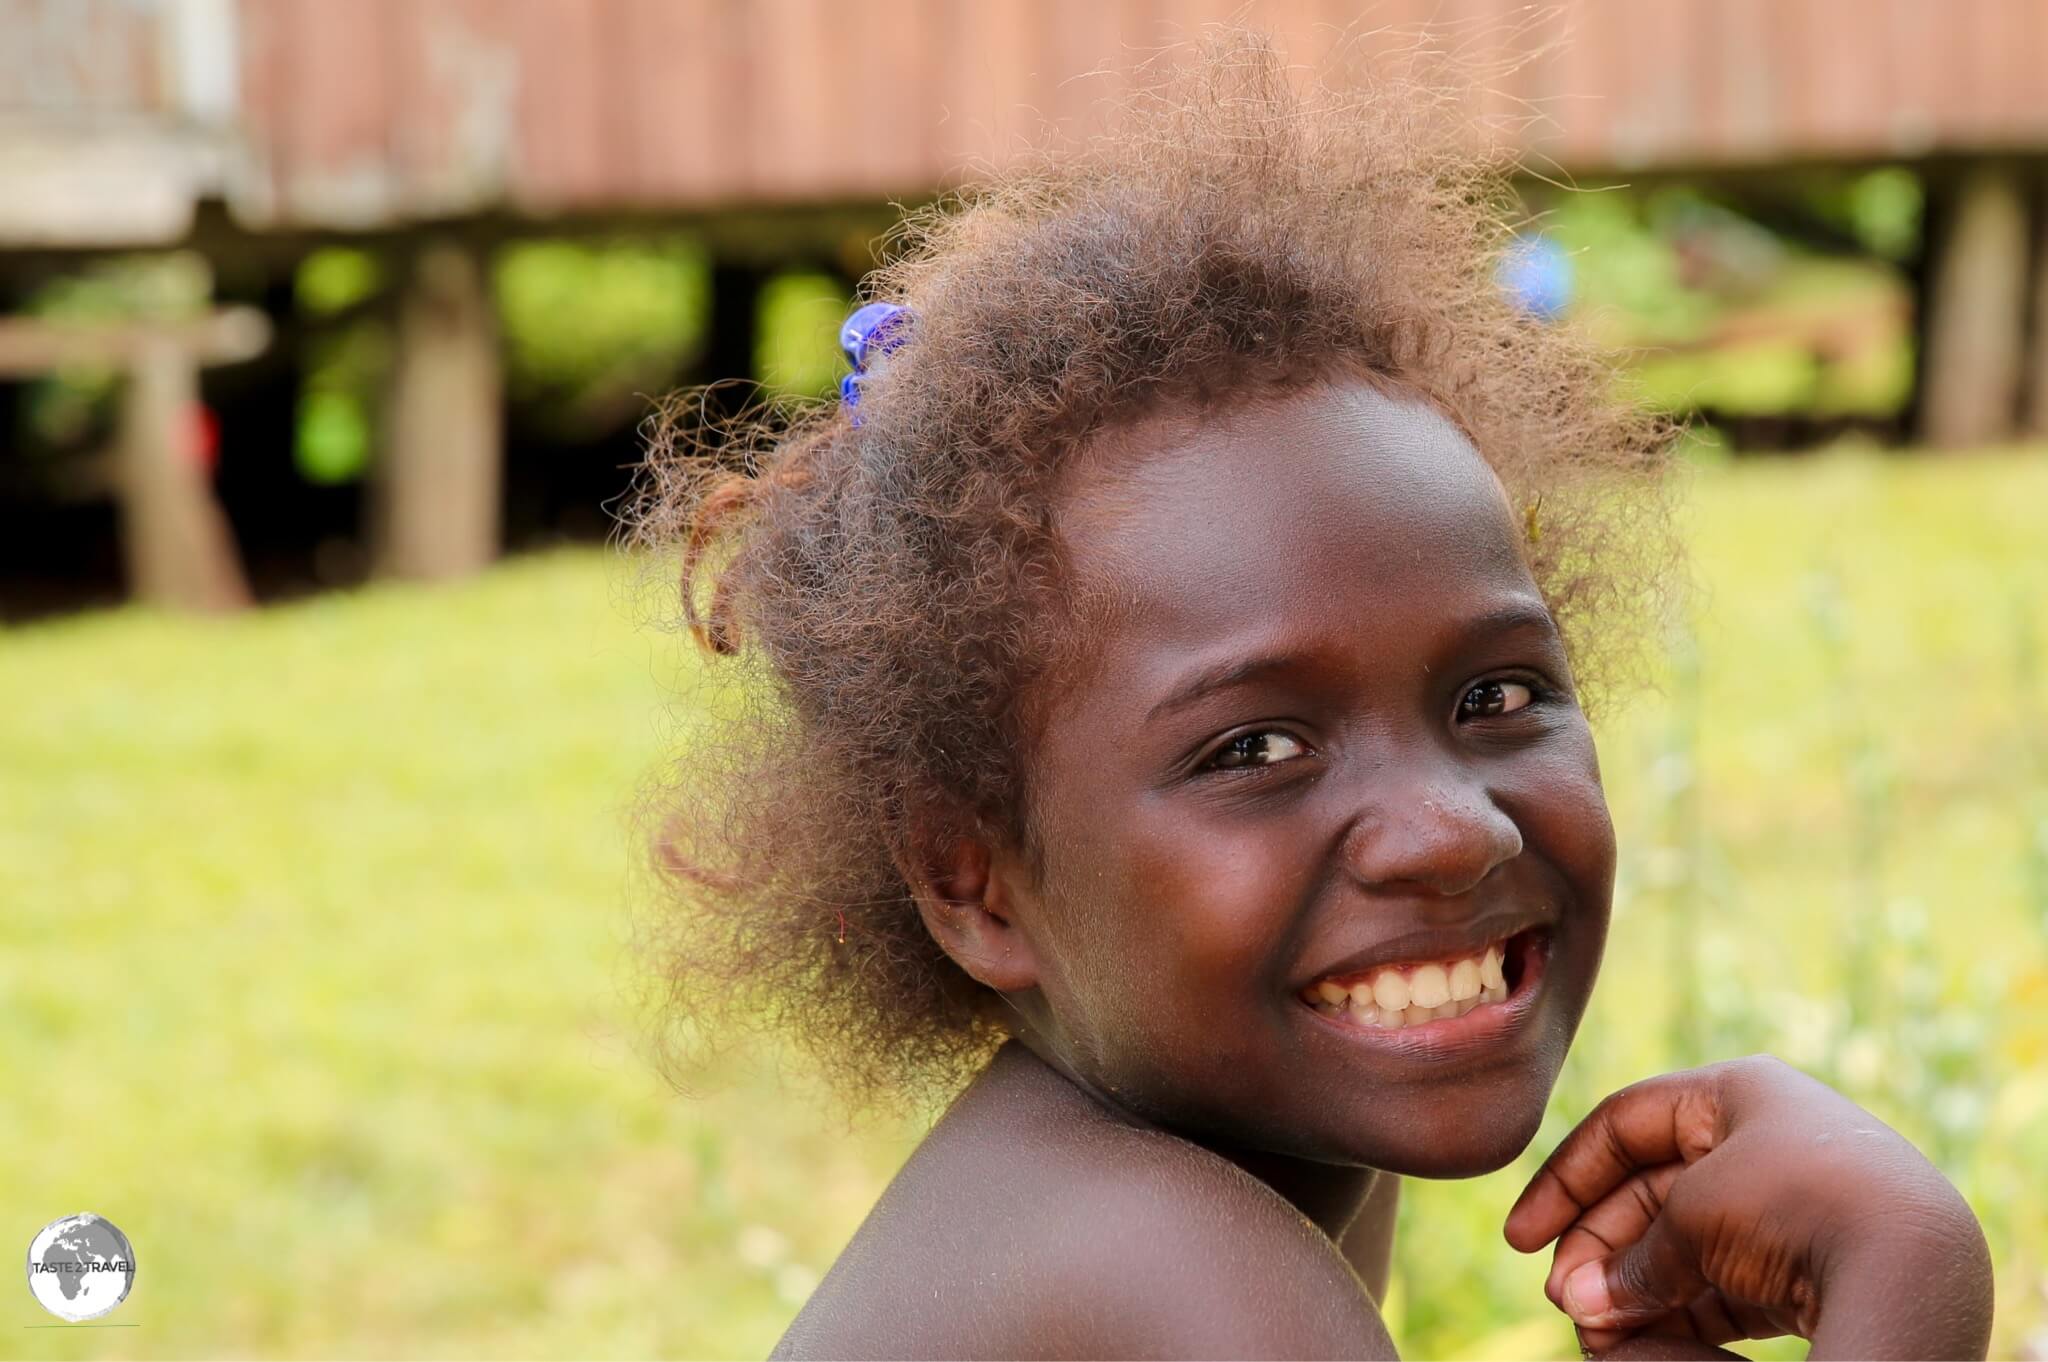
x: 871, y: 330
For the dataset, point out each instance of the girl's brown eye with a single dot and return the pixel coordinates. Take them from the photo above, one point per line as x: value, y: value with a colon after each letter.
x: 1263, y: 748
x: 1490, y: 698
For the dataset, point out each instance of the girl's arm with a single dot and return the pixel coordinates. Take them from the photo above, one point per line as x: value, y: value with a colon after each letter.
x: 1747, y: 1200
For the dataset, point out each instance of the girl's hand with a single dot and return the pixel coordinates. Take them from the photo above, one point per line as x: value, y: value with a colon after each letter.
x: 1747, y: 1200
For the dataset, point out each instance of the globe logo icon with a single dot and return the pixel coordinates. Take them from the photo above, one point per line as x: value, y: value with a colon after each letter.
x: 80, y: 1267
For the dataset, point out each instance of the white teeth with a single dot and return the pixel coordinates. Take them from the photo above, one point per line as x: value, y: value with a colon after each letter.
x: 1465, y: 980
x: 1410, y: 995
x: 1429, y: 987
x: 1390, y: 990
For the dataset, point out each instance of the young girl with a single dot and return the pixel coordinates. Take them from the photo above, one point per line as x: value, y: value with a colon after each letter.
x: 1165, y: 736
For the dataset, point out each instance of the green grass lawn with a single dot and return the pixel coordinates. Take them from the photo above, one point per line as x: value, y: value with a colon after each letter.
x: 314, y: 975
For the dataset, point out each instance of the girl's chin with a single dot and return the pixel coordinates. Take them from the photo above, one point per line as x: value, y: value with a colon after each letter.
x: 1444, y: 1161
x: 1458, y: 1144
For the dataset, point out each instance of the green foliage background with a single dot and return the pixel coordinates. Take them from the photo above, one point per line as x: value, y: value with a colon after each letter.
x: 314, y: 974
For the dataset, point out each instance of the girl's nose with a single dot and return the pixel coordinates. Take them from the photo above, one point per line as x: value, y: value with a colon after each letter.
x: 1436, y: 837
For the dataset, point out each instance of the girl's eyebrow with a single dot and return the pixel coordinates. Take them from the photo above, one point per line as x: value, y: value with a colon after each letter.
x: 1521, y: 612
x: 1220, y: 675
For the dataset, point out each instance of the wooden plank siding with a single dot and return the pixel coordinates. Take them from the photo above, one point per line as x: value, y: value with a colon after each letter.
x: 395, y: 108
x: 367, y: 113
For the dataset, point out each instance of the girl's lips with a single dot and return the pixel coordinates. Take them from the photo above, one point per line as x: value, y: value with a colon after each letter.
x: 1483, y: 1028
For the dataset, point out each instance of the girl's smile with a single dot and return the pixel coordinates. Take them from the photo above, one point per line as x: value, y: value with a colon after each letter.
x: 1329, y: 749
x: 1443, y: 1011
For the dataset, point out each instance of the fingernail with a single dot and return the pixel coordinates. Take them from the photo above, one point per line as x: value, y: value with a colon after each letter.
x: 1586, y: 1298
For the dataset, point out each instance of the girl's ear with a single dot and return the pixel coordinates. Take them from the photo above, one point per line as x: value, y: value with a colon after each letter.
x: 967, y: 907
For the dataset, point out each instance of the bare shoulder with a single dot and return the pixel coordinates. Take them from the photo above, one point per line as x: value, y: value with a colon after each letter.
x: 1084, y: 1238
x: 1176, y: 1252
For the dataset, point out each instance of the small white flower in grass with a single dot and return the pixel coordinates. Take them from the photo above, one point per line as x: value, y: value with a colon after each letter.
x: 1672, y: 774
x: 1665, y: 867
x: 794, y: 1283
x: 1806, y: 1029
x: 1863, y: 1060
x: 1906, y: 920
x: 1958, y: 1110
x: 761, y: 1247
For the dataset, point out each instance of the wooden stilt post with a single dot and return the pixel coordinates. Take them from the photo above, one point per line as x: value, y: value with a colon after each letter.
x: 1976, y: 315
x: 175, y: 539
x: 438, y: 483
x: 2036, y: 422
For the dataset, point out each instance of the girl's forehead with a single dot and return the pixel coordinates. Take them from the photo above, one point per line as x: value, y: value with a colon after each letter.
x: 1335, y: 479
x: 1339, y: 542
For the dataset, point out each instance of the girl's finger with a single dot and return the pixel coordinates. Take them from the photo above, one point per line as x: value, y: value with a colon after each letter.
x: 1645, y: 1280
x: 1610, y: 1224
x: 1672, y: 1118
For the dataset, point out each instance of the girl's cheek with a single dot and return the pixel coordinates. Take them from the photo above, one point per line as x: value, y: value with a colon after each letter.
x: 1558, y: 803
x: 1175, y: 895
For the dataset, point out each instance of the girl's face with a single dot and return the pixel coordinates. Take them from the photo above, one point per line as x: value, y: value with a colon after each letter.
x: 1331, y: 753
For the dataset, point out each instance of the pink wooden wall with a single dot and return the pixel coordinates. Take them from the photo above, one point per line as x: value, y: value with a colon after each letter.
x: 366, y: 112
